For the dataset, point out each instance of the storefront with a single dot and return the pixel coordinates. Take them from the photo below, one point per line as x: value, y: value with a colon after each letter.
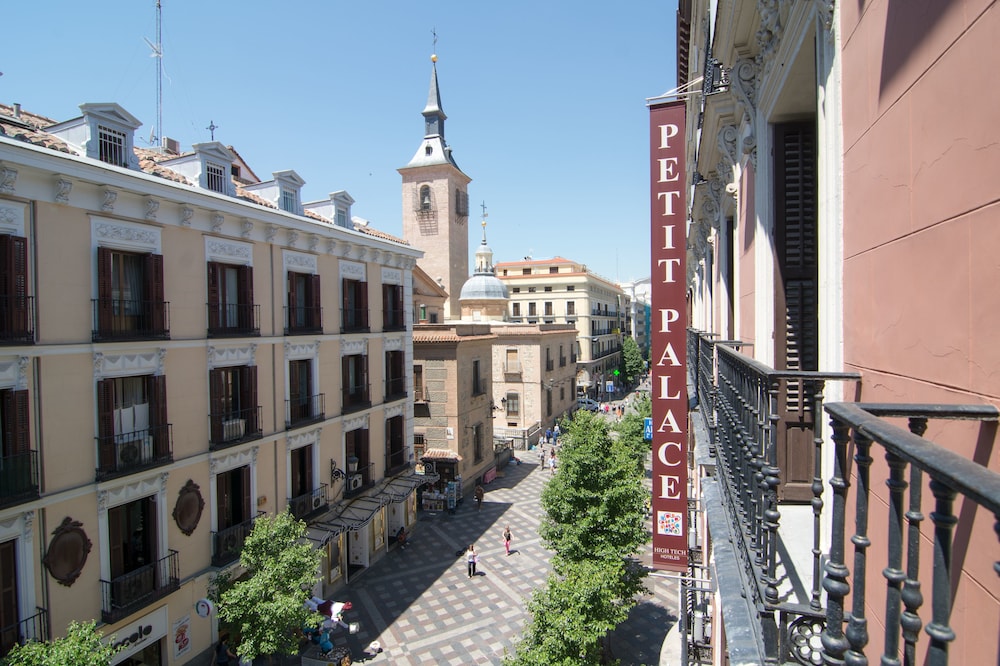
x: 445, y: 491
x: 142, y: 640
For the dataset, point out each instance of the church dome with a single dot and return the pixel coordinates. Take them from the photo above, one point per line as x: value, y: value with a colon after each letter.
x: 483, y: 287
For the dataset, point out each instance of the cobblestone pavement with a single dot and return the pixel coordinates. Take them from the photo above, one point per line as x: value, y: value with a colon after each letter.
x: 422, y: 607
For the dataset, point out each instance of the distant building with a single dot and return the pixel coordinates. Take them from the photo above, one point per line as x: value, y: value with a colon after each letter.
x: 638, y: 294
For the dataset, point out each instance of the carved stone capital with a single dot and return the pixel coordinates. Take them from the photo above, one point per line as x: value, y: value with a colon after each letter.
x: 63, y: 187
x: 8, y: 179
x: 186, y: 214
x: 152, y: 205
x: 217, y: 220
x: 246, y: 226
x: 110, y: 197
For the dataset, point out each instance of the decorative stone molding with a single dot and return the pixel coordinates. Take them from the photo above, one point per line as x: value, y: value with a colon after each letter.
x: 356, y: 423
x: 825, y: 10
x: 301, y: 263
x: 331, y: 246
x: 27, y: 521
x: 298, y: 440
x: 14, y: 373
x: 110, y: 197
x: 743, y: 82
x: 228, y: 357
x: 296, y: 352
x: 126, y: 236
x: 350, y: 270
x: 231, y: 460
x: 770, y: 31
x: 353, y: 347
x: 362, y: 253
x: 246, y: 226
x: 392, y: 276
x: 63, y: 188
x: 12, y: 216
x: 186, y: 214
x: 152, y: 206
x: 125, y: 365
x: 313, y: 242
x: 270, y: 231
x: 217, y: 220
x: 228, y: 251
x: 293, y: 237
x: 376, y: 255
x: 395, y: 410
x: 8, y: 179
x: 393, y: 344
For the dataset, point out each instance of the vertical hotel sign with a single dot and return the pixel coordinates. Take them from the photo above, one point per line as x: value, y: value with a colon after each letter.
x: 668, y: 245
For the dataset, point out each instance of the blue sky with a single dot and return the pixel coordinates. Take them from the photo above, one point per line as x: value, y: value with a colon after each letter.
x: 545, y: 100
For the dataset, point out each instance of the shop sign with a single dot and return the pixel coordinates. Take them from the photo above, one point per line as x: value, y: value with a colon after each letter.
x: 182, y: 636
x: 668, y: 334
x: 138, y: 635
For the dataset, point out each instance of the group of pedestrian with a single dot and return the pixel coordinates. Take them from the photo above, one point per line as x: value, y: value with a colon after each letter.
x: 472, y: 557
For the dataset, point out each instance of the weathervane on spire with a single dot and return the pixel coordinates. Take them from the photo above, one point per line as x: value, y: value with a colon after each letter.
x: 434, y: 45
x: 211, y: 128
x: 483, y: 206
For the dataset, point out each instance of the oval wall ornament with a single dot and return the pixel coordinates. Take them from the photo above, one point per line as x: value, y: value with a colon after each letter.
x: 67, y: 552
x: 187, y: 510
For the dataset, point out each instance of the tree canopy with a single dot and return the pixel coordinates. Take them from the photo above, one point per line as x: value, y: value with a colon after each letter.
x: 633, y: 365
x: 82, y: 646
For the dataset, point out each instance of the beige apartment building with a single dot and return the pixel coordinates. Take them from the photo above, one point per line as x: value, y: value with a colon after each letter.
x: 184, y: 347
x: 560, y: 291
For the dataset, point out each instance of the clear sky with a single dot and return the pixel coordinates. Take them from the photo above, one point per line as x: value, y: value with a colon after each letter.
x: 545, y: 100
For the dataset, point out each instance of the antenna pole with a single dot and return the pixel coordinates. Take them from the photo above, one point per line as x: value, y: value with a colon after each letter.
x: 158, y: 54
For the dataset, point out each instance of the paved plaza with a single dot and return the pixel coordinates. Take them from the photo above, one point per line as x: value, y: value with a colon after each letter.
x: 421, y: 606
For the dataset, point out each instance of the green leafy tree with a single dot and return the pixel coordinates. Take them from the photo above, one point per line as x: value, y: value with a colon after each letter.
x: 268, y: 605
x: 81, y: 646
x: 633, y: 364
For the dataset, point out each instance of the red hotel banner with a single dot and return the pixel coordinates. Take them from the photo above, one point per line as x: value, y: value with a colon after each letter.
x: 668, y: 245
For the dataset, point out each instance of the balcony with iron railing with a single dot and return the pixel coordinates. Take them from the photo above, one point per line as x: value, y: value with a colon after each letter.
x: 17, y: 320
x: 139, y: 588
x: 131, y: 452
x: 227, y: 543
x: 303, y: 320
x: 234, y: 427
x: 118, y: 320
x: 19, y: 478
x: 395, y: 388
x: 354, y: 320
x: 34, y: 628
x: 361, y: 478
x: 309, y: 503
x: 775, y: 556
x: 394, y: 319
x: 304, y: 410
x: 356, y: 397
x: 233, y: 320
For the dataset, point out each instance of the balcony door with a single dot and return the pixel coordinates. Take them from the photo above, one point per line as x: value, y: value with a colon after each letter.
x: 302, y: 470
x: 233, y: 492
x: 130, y: 292
x: 132, y: 550
x: 14, y: 322
x: 230, y: 297
x: 16, y: 474
x: 796, y: 301
x: 9, y: 617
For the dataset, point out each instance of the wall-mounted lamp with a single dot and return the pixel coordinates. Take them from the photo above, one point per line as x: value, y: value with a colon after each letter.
x: 335, y: 472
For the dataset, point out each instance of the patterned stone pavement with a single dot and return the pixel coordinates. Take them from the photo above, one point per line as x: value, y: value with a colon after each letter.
x: 422, y: 607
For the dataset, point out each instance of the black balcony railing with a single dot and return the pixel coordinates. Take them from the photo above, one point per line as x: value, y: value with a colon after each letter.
x: 117, y: 319
x: 358, y: 480
x: 18, y: 478
x: 395, y: 388
x: 233, y: 319
x: 393, y: 319
x: 34, y: 628
x: 139, y: 588
x: 17, y: 320
x: 233, y: 427
x: 305, y: 409
x: 549, y: 365
x: 354, y: 320
x: 130, y: 452
x: 302, y: 320
x: 227, y: 543
x: 307, y: 504
x: 356, y: 397
x: 744, y: 405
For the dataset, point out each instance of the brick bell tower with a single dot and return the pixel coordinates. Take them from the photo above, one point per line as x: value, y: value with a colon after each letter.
x: 436, y: 204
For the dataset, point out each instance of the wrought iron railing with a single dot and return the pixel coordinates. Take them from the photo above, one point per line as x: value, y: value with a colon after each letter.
x: 130, y: 452
x: 305, y: 409
x: 354, y: 320
x: 34, y: 628
x: 118, y: 319
x: 358, y: 480
x: 395, y: 388
x: 227, y: 543
x: 19, y: 478
x: 17, y: 320
x: 302, y: 320
x: 356, y: 397
x: 233, y: 427
x: 308, y: 503
x: 393, y: 319
x: 140, y: 587
x: 233, y: 319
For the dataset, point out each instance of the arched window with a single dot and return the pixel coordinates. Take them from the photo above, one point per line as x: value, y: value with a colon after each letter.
x: 425, y: 197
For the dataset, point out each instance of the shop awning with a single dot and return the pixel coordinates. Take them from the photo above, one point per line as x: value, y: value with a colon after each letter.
x: 356, y: 513
x: 440, y: 454
x: 400, y: 487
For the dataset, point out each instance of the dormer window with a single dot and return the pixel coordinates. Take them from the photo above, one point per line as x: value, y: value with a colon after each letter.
x: 111, y: 146
x: 289, y: 201
x: 341, y: 217
x: 215, y: 178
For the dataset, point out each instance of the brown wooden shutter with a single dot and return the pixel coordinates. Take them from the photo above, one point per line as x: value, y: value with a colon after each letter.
x: 293, y: 301
x: 153, y: 265
x: 14, y: 285
x: 106, y: 424
x: 247, y: 503
x: 224, y: 492
x: 245, y: 297
x: 248, y: 398
x: 9, y: 614
x: 363, y: 303
x: 16, y: 415
x: 215, y: 384
x: 307, y: 469
x: 156, y: 388
x: 116, y: 540
x: 315, y: 304
x: 365, y: 390
x: 214, y: 277
x: 796, y: 300
x: 105, y: 307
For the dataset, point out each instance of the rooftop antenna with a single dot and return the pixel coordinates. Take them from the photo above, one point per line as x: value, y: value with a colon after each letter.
x: 156, y: 135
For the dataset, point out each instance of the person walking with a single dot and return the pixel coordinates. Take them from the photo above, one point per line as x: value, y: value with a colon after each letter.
x: 555, y: 433
x: 506, y: 538
x: 552, y: 462
x: 480, y: 493
x: 471, y: 559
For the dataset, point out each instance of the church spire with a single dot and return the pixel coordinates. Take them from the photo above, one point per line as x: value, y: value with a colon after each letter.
x: 434, y: 115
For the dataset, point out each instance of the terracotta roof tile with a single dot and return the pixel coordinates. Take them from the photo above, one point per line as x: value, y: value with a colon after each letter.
x: 380, y: 234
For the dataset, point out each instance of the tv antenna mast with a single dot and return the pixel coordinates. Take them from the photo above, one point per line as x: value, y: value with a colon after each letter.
x: 156, y: 137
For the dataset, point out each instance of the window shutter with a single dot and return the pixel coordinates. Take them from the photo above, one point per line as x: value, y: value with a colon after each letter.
x: 248, y: 398
x: 215, y: 385
x: 307, y: 468
x: 293, y: 300
x: 9, y: 611
x: 157, y: 391
x: 247, y: 498
x: 363, y: 377
x: 154, y: 288
x: 106, y: 424
x: 214, y: 275
x: 18, y: 420
x: 315, y: 317
x: 116, y: 541
x: 246, y: 319
x: 363, y: 303
x: 104, y: 292
x: 224, y: 494
x: 293, y: 381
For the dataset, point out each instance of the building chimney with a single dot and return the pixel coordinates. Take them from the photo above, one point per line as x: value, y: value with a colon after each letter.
x: 17, y: 110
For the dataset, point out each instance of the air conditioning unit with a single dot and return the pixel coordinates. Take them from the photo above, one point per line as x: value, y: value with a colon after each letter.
x: 317, y: 502
x: 355, y: 482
